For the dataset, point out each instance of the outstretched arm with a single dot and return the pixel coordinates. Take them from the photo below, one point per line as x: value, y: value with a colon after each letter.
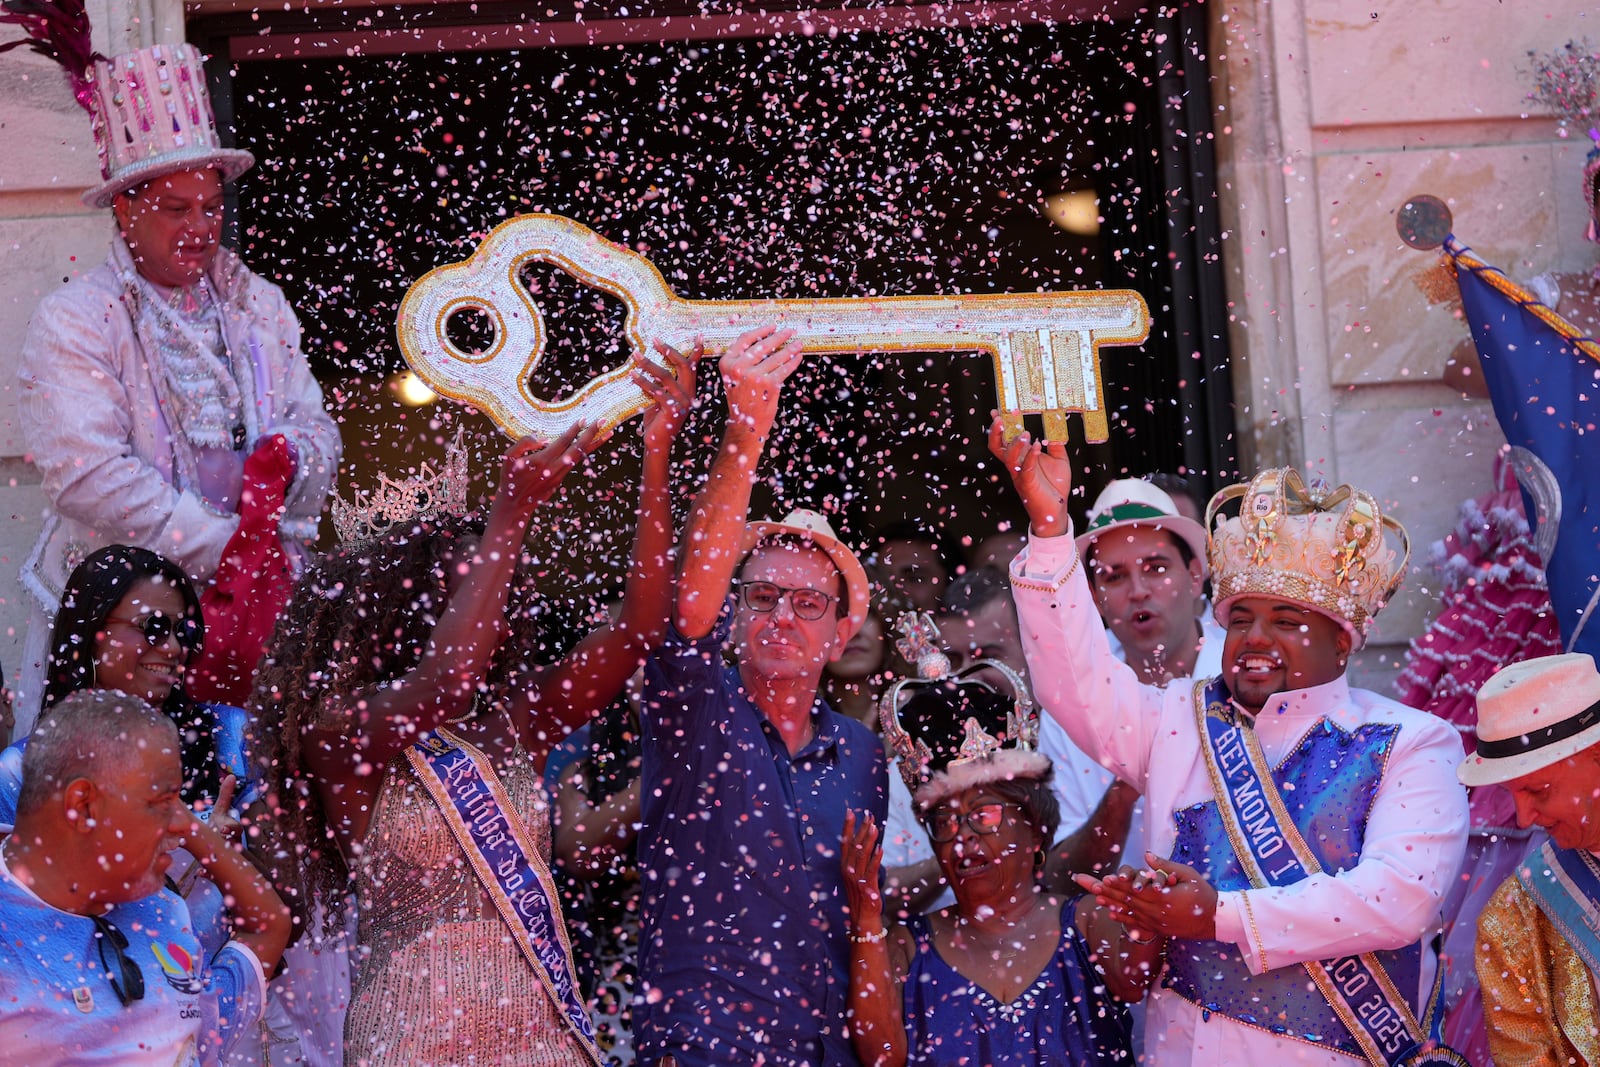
x: 594, y: 672
x: 1092, y: 694
x: 590, y: 838
x: 1041, y: 474
x: 753, y: 372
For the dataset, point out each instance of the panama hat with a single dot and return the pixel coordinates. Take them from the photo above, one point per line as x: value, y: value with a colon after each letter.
x: 1533, y: 714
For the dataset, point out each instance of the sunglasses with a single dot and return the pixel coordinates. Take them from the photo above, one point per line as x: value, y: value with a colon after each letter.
x: 158, y: 626
x: 127, y: 981
x: 807, y: 604
x: 944, y: 823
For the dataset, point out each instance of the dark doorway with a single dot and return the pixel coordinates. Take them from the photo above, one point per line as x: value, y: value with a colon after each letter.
x: 845, y: 164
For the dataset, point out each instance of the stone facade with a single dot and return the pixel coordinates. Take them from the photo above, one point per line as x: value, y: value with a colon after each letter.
x: 47, y: 159
x: 1330, y: 116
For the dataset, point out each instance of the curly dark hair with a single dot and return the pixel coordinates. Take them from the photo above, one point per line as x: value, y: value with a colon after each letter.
x: 94, y: 590
x: 357, y: 619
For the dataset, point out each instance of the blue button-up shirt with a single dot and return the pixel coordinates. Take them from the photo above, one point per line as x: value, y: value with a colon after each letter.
x: 745, y: 950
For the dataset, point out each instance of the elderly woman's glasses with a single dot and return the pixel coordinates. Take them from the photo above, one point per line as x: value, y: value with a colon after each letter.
x: 158, y: 626
x: 127, y: 981
x: 808, y: 604
x: 945, y: 823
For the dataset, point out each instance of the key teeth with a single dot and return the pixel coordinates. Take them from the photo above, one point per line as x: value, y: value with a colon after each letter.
x: 1055, y: 427
x: 1095, y: 429
x: 1011, y: 426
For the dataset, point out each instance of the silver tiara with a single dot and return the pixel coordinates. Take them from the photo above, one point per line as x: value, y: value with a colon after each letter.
x: 417, y: 498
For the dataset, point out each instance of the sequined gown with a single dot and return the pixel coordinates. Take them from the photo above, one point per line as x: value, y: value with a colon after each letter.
x: 438, y: 979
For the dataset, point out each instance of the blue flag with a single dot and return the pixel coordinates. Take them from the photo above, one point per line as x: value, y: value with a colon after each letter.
x: 1543, y: 376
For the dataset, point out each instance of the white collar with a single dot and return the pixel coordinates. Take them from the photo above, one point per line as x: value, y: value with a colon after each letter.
x: 1330, y: 700
x: 5, y: 872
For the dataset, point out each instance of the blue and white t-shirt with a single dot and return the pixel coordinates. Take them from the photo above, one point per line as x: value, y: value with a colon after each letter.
x: 57, y: 1006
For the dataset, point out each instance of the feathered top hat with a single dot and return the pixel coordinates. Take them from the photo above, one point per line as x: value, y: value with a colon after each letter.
x: 152, y: 117
x: 951, y: 731
x: 1323, y: 549
x: 150, y: 108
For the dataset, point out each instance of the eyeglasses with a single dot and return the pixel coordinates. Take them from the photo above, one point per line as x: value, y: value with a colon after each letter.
x: 945, y: 823
x: 808, y: 604
x: 158, y: 626
x: 127, y: 981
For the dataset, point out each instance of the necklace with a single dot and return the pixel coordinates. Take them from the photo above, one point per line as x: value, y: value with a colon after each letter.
x: 185, y: 299
x: 191, y: 341
x: 517, y: 751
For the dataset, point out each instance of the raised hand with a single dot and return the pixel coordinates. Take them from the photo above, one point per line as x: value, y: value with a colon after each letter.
x: 1042, y: 475
x: 532, y: 471
x: 222, y: 819
x: 1167, y: 898
x: 672, y: 390
x: 753, y: 372
x: 859, y: 858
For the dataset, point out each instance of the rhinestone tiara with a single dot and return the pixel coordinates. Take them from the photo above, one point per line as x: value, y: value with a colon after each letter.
x: 417, y: 498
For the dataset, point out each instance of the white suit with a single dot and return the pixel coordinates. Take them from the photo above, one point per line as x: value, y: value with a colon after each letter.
x: 115, y: 468
x: 1416, y: 831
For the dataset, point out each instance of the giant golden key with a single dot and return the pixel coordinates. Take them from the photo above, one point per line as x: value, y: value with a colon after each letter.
x: 1045, y: 346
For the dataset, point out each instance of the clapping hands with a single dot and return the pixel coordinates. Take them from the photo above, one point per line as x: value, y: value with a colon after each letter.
x: 1167, y: 898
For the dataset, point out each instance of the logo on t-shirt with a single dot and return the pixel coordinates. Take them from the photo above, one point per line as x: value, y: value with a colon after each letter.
x: 178, y: 966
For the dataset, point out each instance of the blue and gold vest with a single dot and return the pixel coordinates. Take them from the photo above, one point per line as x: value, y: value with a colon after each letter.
x: 1328, y: 784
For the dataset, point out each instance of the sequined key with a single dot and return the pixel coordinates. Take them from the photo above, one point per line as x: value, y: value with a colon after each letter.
x: 1045, y: 346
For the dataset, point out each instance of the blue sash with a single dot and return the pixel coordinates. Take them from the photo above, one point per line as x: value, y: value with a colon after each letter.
x: 1273, y: 853
x: 469, y: 794
x: 1565, y: 883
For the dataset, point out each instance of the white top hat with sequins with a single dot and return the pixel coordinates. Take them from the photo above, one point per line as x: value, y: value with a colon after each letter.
x: 152, y: 117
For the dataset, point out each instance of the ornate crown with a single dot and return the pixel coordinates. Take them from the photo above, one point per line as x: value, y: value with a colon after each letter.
x: 962, y: 731
x: 1320, y: 548
x: 424, y: 495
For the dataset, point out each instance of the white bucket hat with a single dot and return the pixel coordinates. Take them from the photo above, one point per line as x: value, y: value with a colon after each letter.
x: 812, y: 526
x: 1135, y: 502
x: 1533, y: 714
